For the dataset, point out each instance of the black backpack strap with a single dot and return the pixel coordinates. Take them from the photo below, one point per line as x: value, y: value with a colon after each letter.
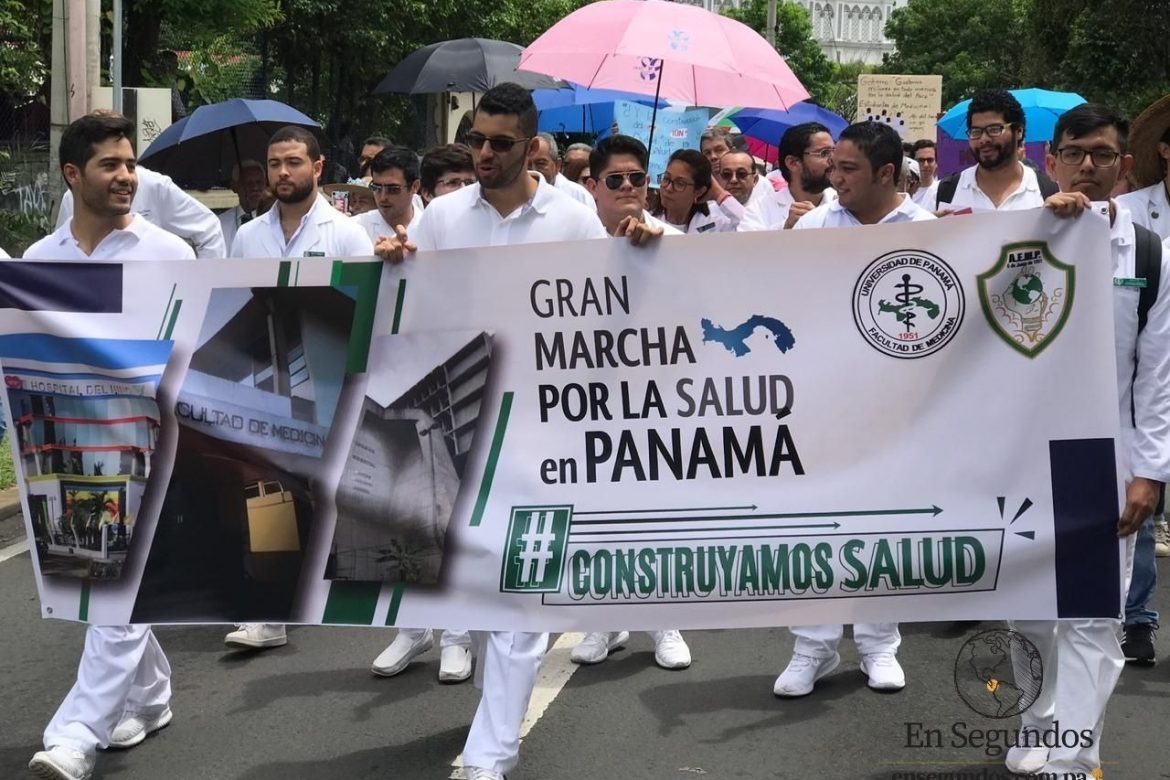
x: 1048, y: 187
x: 1147, y: 265
x: 946, y: 190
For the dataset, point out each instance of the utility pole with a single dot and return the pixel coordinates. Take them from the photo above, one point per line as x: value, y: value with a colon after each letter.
x: 116, y: 67
x: 93, y: 52
x: 58, y: 100
x: 772, y: 23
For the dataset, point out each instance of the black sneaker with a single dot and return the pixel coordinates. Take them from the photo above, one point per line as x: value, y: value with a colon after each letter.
x: 1138, y: 644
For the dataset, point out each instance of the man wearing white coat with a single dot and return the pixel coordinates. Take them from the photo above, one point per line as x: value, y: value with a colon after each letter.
x: 300, y: 224
x: 1082, y: 657
x: 123, y: 687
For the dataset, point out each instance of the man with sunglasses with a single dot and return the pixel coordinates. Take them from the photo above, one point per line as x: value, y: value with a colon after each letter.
x: 806, y: 155
x: 621, y: 186
x: 507, y: 205
x: 998, y: 181
x: 394, y: 181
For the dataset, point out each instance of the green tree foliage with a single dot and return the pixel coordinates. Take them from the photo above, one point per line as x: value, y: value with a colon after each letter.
x: 972, y: 44
x: 23, y: 53
x: 1116, y: 52
x: 793, y: 40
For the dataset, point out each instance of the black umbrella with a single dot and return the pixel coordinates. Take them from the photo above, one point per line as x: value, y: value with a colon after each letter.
x: 462, y: 65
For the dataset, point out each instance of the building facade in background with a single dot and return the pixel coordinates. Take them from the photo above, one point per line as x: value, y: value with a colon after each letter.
x: 847, y: 30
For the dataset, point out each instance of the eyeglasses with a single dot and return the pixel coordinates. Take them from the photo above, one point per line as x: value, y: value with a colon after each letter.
x: 635, y: 178
x: 823, y: 154
x: 677, y: 185
x: 1102, y: 158
x: 456, y: 181
x: 992, y: 131
x: 727, y: 174
x: 389, y: 189
x: 501, y: 144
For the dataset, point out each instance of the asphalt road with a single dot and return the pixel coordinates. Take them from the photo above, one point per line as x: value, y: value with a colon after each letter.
x: 313, y: 710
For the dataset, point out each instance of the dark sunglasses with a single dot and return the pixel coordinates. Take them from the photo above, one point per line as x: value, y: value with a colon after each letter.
x: 614, y: 180
x: 499, y: 144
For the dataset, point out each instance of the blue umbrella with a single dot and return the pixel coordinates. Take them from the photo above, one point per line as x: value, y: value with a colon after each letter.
x: 1042, y: 108
x: 578, y: 109
x: 200, y: 150
x: 768, y: 125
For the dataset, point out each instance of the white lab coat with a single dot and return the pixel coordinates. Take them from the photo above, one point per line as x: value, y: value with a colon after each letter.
x: 1149, y: 208
x: 324, y: 232
x: 165, y: 205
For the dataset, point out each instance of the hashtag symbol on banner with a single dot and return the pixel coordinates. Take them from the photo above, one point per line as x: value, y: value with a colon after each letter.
x: 537, y: 549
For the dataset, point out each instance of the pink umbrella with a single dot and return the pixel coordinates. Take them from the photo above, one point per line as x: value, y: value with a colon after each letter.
x: 670, y: 50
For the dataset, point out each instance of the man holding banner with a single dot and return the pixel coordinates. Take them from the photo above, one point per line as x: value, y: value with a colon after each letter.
x: 123, y: 687
x: 1082, y: 657
x: 866, y: 166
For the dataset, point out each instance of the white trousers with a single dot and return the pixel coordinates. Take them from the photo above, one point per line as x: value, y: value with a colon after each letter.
x: 1082, y: 661
x: 122, y: 669
x: 506, y: 674
x: 449, y: 638
x: 822, y: 641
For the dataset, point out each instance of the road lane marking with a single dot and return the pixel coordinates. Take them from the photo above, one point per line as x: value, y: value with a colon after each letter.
x: 555, y: 671
x: 13, y: 550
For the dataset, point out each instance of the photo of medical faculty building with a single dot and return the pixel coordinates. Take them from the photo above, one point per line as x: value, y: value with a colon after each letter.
x: 85, y: 461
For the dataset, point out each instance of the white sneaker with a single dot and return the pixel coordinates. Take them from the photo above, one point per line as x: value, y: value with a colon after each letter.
x: 1026, y: 760
x: 885, y: 673
x: 136, y: 727
x: 257, y: 636
x: 802, y: 673
x: 596, y: 647
x: 454, y: 664
x: 404, y: 649
x: 62, y: 763
x: 476, y: 773
x: 1161, y: 537
x: 670, y: 650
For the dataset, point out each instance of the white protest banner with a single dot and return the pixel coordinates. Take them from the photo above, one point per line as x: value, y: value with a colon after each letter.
x: 898, y: 423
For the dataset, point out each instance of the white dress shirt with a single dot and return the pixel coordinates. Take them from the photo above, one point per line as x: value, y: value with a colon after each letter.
x: 667, y: 228
x: 3, y: 255
x: 770, y: 213
x: 927, y: 197
x: 140, y: 240
x: 376, y: 227
x: 464, y: 219
x: 164, y: 204
x: 324, y: 232
x: 230, y: 221
x: 1149, y: 208
x: 968, y: 194
x: 833, y: 214
x: 575, y: 191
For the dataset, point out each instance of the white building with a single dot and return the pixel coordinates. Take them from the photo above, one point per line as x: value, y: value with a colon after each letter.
x: 847, y: 30
x: 852, y: 30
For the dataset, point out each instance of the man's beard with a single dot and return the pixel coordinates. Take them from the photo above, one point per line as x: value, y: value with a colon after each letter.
x: 814, y: 185
x: 298, y: 195
x: 1002, y: 157
x: 506, y: 176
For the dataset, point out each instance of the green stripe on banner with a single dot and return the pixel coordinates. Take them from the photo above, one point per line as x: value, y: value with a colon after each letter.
x: 398, y: 306
x: 335, y: 277
x: 366, y: 278
x: 351, y: 603
x: 395, y: 602
x: 83, y: 607
x: 297, y: 277
x: 163, y: 324
x: 489, y: 471
x: 283, y: 274
x: 174, y: 318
